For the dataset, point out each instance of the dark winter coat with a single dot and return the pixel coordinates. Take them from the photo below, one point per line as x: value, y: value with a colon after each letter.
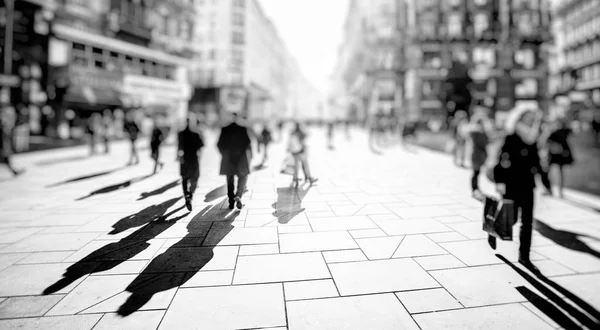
x: 190, y: 143
x: 518, y: 164
x: 559, y: 150
x: 479, y: 155
x: 234, y: 146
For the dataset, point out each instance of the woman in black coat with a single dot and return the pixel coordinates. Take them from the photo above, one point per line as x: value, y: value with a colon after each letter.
x: 559, y: 151
x: 515, y: 172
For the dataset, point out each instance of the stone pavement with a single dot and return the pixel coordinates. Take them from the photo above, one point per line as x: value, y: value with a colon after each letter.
x: 383, y: 241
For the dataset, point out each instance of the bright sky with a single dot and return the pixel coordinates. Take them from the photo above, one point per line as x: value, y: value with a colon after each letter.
x: 312, y: 31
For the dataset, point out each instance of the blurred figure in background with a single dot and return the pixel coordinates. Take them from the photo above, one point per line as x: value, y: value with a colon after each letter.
x: 7, y: 123
x: 330, y: 127
x: 133, y: 130
x: 515, y: 172
x: 236, y: 150
x: 459, y: 127
x: 265, y: 140
x: 156, y: 139
x: 93, y: 128
x: 190, y: 143
x: 479, y: 136
x: 409, y: 129
x: 297, y: 147
x: 559, y: 151
x: 596, y: 127
x: 280, y: 125
x: 107, y: 124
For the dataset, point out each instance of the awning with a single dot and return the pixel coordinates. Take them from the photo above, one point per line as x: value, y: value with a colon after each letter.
x: 93, y: 96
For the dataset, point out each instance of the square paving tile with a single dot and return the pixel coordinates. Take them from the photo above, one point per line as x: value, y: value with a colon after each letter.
x: 578, y: 261
x: 513, y: 316
x: 230, y: 307
x: 422, y: 212
x: 250, y: 250
x: 51, y: 242
x: 240, y: 236
x: 365, y: 233
x: 379, y: 276
x: 446, y: 237
x: 584, y: 286
x: 31, y: 306
x: 477, y: 253
x: 439, y: 262
x: 280, y: 268
x: 342, y: 223
x: 75, y: 322
x: 209, y: 278
x: 310, y: 290
x: 471, y: 230
x: 379, y: 247
x: 322, y: 241
x: 417, y: 246
x: 138, y: 320
x: 362, y: 312
x: 432, y: 300
x: 28, y: 280
x: 412, y: 226
x: 344, y: 256
x: 45, y: 257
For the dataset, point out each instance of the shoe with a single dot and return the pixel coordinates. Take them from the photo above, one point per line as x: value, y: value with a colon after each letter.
x: 526, y: 262
x: 313, y: 180
x: 231, y: 204
x: 188, y: 203
x: 492, y: 241
x: 238, y: 203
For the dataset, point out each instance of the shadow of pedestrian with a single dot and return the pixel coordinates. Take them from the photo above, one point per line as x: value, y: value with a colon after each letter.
x: 86, y: 177
x: 216, y: 193
x: 180, y: 262
x: 145, y: 216
x: 590, y: 320
x: 116, y: 187
x: 159, y: 191
x: 289, y: 203
x: 63, y: 160
x: 566, y: 239
x: 113, y: 254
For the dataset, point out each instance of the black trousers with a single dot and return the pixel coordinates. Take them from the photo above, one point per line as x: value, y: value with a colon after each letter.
x: 475, y: 180
x: 189, y: 186
x: 524, y: 202
x: 241, y: 186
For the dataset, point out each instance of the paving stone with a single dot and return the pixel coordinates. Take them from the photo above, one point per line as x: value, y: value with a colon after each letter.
x: 75, y: 322
x: 446, y: 237
x: 362, y: 312
x: 28, y: 280
x: 379, y: 276
x: 240, y: 236
x: 413, y: 226
x: 65, y: 219
x: 477, y: 253
x: 309, y: 290
x: 139, y: 320
x: 379, y: 247
x: 344, y: 256
x: 320, y: 214
x: 45, y: 257
x: 15, y: 235
x: 209, y: 278
x: 192, y: 259
x: 513, y: 316
x: 389, y: 216
x: 323, y: 241
x: 294, y: 229
x: 280, y: 268
x: 439, y: 262
x: 235, y: 307
x: 249, y: 250
x: 422, y: 212
x: 577, y: 261
x: 7, y: 260
x: 31, y: 306
x: 451, y: 219
x: 583, y: 286
x: 542, y: 315
x: 432, y: 300
x: 342, y: 223
x: 346, y: 210
x: 373, y: 209
x: 125, y: 267
x: 366, y: 233
x: 51, y: 242
x: 417, y: 246
x: 471, y: 230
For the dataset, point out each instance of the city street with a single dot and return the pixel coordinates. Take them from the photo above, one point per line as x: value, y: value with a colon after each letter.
x: 386, y: 239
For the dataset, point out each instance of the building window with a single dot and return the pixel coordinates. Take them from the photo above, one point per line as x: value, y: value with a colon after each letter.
x: 237, y: 38
x: 239, y: 3
x: 212, y: 54
x: 525, y: 58
x: 480, y: 24
x: 454, y: 26
x: 238, y: 19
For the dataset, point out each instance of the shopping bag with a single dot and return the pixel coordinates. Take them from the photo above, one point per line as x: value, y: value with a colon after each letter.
x: 499, y: 218
x: 288, y: 165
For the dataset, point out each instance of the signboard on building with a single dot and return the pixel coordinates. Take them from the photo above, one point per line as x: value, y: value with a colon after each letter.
x: 155, y: 90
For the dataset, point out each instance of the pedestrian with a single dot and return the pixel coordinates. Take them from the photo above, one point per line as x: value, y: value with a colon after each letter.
x: 559, y: 151
x: 107, y: 124
x: 92, y: 129
x: 459, y: 126
x: 596, y: 126
x: 297, y: 147
x: 190, y: 143
x: 236, y: 150
x: 156, y: 139
x: 280, y: 125
x: 409, y: 128
x: 265, y: 140
x: 6, y: 148
x: 515, y: 172
x: 330, y: 127
x: 480, y: 140
x: 133, y: 130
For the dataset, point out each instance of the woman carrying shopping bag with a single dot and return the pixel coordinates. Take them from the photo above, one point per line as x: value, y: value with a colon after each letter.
x: 297, y: 147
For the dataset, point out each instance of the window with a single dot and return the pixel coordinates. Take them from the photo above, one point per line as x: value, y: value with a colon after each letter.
x: 525, y: 58
x: 238, y: 3
x: 185, y: 32
x: 480, y: 24
x: 454, y: 26
x: 212, y: 54
x: 238, y: 19
x: 237, y: 38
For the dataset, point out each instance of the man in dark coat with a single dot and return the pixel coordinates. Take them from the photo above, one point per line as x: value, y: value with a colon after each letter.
x: 235, y: 148
x: 190, y: 143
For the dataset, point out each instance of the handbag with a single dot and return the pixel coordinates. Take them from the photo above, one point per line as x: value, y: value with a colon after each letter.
x: 499, y: 217
x: 288, y: 166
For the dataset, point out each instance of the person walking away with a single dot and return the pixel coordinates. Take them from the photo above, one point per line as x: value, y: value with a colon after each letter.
x: 515, y: 173
x: 92, y: 129
x: 596, y: 127
x: 559, y: 151
x: 156, y: 139
x: 190, y: 143
x: 297, y: 147
x: 133, y: 130
x: 459, y: 125
x: 107, y: 124
x: 6, y: 144
x: 330, y: 135
x: 480, y: 140
x: 235, y: 147
x: 264, y: 141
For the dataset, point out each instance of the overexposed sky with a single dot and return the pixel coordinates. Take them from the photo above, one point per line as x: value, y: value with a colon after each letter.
x: 312, y: 31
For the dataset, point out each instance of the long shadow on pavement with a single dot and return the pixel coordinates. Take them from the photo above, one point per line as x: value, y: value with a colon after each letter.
x: 113, y: 254
x: 591, y: 317
x: 145, y: 216
x: 115, y: 187
x: 86, y: 177
x: 566, y: 239
x: 289, y: 203
x: 215, y: 194
x: 63, y: 160
x: 180, y: 262
x: 159, y: 191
